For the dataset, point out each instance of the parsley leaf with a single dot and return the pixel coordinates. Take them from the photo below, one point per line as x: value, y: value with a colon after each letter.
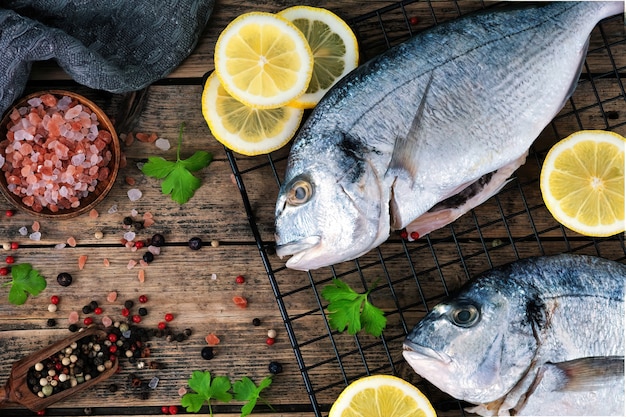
x: 26, y: 280
x: 246, y: 390
x: 206, y: 389
x: 347, y: 308
x: 177, y: 176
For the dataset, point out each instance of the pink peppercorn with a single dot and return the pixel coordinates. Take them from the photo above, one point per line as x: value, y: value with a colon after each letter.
x: 240, y: 279
x: 270, y: 341
x: 10, y: 259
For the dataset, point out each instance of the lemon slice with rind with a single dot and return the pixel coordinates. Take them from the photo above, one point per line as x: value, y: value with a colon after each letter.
x: 244, y: 129
x: 263, y: 60
x: 582, y: 182
x: 334, y: 46
x: 381, y: 396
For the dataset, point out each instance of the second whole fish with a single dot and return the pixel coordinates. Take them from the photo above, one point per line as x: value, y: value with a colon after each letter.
x: 540, y: 336
x: 428, y: 130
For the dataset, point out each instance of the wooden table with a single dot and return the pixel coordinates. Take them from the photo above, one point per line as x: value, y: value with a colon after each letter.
x: 197, y: 286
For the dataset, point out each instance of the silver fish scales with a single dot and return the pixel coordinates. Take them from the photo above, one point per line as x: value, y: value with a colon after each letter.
x: 428, y: 130
x: 540, y: 336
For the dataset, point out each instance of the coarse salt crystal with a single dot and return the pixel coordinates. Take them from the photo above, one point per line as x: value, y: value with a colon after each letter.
x: 23, y: 231
x: 214, y: 277
x: 162, y: 144
x: 60, y: 245
x: 154, y: 382
x: 73, y: 317
x: 35, y: 236
x: 107, y: 321
x: 155, y: 250
x: 131, y: 264
x: 134, y: 194
x: 129, y: 235
x: 113, y: 209
x: 133, y: 213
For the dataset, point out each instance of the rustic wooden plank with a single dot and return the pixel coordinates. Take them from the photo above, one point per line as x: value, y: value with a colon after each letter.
x: 179, y: 281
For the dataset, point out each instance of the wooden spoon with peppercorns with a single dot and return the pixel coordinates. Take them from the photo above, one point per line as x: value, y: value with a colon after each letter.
x: 17, y: 391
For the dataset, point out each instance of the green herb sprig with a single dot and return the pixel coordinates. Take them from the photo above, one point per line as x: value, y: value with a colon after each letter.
x: 26, y: 280
x: 177, y: 176
x: 348, y: 308
x: 220, y: 388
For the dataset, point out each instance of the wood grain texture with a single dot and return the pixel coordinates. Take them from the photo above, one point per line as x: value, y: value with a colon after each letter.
x: 410, y: 277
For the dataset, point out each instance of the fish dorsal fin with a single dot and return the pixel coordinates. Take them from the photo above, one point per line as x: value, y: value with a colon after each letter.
x: 405, y: 147
x: 584, y: 374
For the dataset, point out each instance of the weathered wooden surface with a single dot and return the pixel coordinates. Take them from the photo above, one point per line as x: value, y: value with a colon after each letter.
x: 514, y: 224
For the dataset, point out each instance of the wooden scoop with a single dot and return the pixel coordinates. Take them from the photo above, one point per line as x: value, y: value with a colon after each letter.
x: 16, y: 390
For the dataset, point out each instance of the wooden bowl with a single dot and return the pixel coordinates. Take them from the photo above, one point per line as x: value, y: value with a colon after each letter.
x: 103, y: 186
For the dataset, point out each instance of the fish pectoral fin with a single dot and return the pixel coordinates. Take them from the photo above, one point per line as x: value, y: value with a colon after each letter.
x: 582, y: 374
x: 403, y: 157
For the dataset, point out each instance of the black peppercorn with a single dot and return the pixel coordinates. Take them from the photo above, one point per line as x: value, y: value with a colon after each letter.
x: 157, y: 240
x: 256, y: 322
x: 138, y: 225
x: 51, y: 323
x: 143, y: 311
x: 87, y: 309
x: 93, y: 304
x: 64, y: 279
x: 128, y: 221
x: 207, y: 353
x: 195, y: 243
x: 187, y: 332
x: 275, y: 367
x: 180, y: 337
x: 73, y: 328
x: 112, y: 388
x: 148, y: 257
x: 129, y: 304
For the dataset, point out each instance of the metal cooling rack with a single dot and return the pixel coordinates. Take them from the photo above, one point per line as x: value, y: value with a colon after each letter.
x: 411, y: 277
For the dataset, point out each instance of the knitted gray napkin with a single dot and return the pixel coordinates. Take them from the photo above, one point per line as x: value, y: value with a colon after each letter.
x: 112, y: 45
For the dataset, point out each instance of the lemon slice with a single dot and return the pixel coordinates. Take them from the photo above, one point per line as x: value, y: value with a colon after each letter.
x: 263, y: 60
x: 582, y: 182
x: 381, y: 396
x: 244, y: 129
x: 334, y: 46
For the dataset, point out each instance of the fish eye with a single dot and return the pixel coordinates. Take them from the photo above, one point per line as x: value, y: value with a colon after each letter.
x: 465, y: 315
x: 299, y: 193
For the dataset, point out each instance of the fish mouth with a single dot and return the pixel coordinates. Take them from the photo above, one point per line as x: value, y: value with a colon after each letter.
x: 414, y: 351
x: 297, y: 247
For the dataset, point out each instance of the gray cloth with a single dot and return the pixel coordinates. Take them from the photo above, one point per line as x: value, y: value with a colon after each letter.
x: 112, y: 45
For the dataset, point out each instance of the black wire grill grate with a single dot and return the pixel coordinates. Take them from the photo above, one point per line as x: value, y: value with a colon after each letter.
x: 408, y: 278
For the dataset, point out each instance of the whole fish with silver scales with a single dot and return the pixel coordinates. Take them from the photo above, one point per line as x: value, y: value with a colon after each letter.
x: 435, y: 126
x: 540, y: 336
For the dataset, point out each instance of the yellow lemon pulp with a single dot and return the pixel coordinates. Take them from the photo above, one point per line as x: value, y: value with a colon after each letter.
x: 246, y: 130
x: 334, y: 47
x: 582, y: 182
x: 263, y: 60
x: 381, y: 396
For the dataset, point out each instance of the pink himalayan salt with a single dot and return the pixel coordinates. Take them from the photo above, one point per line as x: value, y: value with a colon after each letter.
x: 107, y: 321
x: 39, y: 149
x: 112, y: 296
x: 73, y: 317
